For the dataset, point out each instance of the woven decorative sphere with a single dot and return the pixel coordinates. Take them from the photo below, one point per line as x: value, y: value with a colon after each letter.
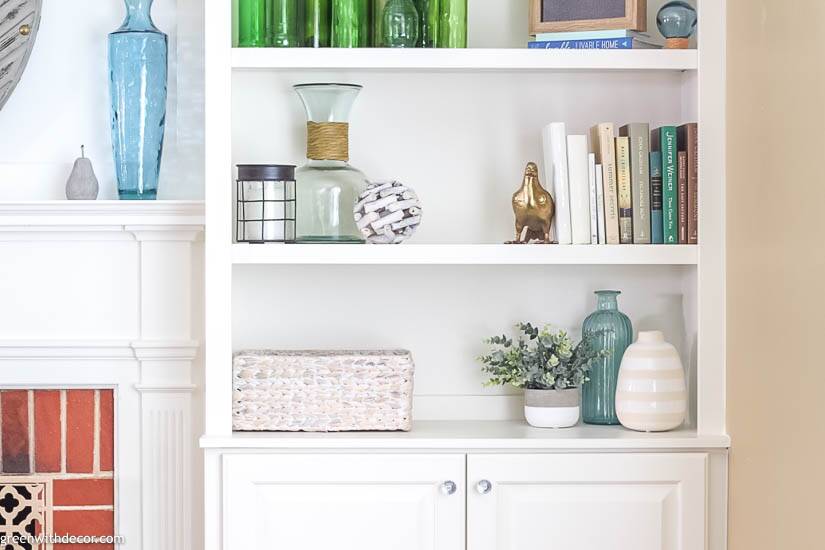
x: 387, y: 213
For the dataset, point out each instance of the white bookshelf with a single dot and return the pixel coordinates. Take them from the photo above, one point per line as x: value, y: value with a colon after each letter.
x: 479, y: 59
x: 459, y: 126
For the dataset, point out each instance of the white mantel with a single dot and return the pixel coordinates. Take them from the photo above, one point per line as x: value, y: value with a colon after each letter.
x: 108, y: 294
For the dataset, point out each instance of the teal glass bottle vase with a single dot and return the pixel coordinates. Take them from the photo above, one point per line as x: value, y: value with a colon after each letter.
x: 350, y: 27
x: 614, y: 333
x: 138, y: 64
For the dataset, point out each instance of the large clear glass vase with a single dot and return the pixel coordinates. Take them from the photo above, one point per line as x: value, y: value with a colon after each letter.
x: 613, y: 332
x: 137, y: 84
x: 327, y: 186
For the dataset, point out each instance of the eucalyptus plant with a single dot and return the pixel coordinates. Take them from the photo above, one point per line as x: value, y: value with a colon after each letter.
x: 540, y: 359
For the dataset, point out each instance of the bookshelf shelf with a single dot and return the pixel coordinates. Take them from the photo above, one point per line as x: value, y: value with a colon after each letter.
x: 464, y: 254
x: 464, y: 60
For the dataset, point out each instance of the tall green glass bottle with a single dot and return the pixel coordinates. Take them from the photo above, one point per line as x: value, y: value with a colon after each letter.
x: 316, y: 24
x: 252, y: 24
x: 284, y: 23
x: 452, y: 24
x: 378, y: 23
x: 428, y: 22
x: 350, y: 26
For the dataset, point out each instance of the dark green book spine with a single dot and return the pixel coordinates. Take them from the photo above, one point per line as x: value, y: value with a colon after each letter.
x: 670, y: 184
x: 656, y: 222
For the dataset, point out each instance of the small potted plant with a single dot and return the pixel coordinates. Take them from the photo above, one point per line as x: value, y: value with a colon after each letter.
x: 548, y: 367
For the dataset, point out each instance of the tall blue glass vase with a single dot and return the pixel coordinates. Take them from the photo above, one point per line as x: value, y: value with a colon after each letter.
x: 613, y: 332
x: 137, y: 85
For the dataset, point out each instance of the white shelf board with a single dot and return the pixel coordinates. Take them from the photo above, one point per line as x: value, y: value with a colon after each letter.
x: 471, y: 435
x: 463, y: 254
x: 101, y: 213
x: 465, y: 59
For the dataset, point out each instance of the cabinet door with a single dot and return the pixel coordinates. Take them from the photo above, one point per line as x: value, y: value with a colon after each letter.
x: 586, y: 502
x: 343, y: 502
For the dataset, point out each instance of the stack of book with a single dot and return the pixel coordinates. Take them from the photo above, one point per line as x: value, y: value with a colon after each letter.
x: 639, y: 187
x: 596, y: 40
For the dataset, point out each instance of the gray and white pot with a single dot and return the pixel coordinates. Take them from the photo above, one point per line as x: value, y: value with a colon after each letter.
x: 552, y: 408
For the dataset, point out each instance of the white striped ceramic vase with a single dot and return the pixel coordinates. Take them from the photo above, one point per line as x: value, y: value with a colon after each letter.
x: 651, y: 395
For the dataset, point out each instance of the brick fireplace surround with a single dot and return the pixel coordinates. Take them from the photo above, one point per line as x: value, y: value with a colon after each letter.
x: 60, y: 445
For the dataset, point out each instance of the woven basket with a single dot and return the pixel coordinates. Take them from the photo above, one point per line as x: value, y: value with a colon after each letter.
x: 322, y: 391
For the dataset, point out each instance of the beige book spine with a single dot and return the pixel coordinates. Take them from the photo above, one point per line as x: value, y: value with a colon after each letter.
x: 603, y: 136
x: 624, y: 190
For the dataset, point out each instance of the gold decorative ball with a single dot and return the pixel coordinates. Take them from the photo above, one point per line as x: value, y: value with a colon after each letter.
x: 25, y: 30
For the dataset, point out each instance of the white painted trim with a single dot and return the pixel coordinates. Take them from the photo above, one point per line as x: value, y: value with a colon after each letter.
x: 100, y: 213
x: 152, y: 388
x: 103, y: 349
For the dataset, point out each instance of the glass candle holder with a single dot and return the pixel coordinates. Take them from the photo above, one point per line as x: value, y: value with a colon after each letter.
x: 265, y: 203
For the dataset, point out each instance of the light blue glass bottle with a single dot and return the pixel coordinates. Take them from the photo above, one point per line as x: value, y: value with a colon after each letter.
x: 613, y: 332
x: 137, y: 86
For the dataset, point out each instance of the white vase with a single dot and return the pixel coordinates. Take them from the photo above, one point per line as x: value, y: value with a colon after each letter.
x: 552, y: 408
x: 651, y: 395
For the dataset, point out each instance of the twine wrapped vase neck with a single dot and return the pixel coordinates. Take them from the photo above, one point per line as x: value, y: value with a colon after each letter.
x: 328, y: 141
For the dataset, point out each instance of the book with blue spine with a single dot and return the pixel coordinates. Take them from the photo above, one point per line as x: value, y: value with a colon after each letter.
x: 653, y: 39
x: 594, y: 44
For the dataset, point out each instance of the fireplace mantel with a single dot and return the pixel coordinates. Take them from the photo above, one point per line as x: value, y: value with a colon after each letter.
x: 107, y: 294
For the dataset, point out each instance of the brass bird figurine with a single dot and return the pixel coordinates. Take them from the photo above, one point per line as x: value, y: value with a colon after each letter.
x: 534, y: 208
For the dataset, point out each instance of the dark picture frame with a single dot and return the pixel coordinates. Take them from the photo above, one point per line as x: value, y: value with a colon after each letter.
x: 587, y: 15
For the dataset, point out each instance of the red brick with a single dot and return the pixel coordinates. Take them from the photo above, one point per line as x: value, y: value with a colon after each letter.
x: 47, y: 431
x: 83, y: 492
x: 96, y: 523
x: 107, y: 430
x: 80, y: 441
x: 15, y: 431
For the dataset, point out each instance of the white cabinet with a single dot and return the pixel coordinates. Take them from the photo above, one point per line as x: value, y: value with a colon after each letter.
x: 586, y: 501
x: 343, y: 502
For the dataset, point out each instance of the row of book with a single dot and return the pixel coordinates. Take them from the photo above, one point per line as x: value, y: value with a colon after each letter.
x: 639, y: 187
x: 596, y: 40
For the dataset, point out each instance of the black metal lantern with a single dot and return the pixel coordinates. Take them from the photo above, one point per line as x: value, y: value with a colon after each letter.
x: 265, y: 203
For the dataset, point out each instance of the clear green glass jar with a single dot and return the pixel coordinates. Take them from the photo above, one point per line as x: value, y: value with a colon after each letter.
x: 350, y: 27
x: 378, y: 23
x: 252, y: 24
x: 316, y: 24
x: 613, y: 332
x: 285, y: 23
x: 427, y: 22
x: 327, y: 186
x: 400, y: 24
x: 452, y: 24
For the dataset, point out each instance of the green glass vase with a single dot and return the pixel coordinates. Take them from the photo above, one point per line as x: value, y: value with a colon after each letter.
x: 378, y: 23
x: 400, y: 24
x: 613, y: 332
x: 427, y: 22
x: 452, y: 24
x: 285, y: 23
x: 350, y: 27
x: 252, y: 24
x: 316, y: 24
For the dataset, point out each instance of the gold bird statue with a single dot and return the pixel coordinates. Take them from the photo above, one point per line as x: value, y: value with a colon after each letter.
x: 534, y: 208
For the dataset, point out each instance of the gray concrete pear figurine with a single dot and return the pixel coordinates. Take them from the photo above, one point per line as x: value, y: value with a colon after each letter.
x: 82, y: 183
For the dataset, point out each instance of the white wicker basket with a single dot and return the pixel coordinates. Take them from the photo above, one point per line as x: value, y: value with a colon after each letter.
x: 322, y: 391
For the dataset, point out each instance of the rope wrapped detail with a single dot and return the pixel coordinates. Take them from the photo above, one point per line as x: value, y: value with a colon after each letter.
x: 328, y: 141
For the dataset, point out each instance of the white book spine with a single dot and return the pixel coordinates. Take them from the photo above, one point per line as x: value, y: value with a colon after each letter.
x: 594, y: 217
x: 600, y: 204
x: 579, y: 189
x: 554, y: 138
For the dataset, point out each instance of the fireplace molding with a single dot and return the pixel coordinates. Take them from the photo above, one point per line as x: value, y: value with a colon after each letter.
x: 106, y: 294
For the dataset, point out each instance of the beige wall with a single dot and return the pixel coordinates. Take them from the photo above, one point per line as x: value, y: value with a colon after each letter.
x: 776, y: 273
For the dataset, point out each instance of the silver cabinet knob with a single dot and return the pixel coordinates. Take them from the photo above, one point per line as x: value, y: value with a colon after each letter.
x: 484, y: 486
x: 448, y: 488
